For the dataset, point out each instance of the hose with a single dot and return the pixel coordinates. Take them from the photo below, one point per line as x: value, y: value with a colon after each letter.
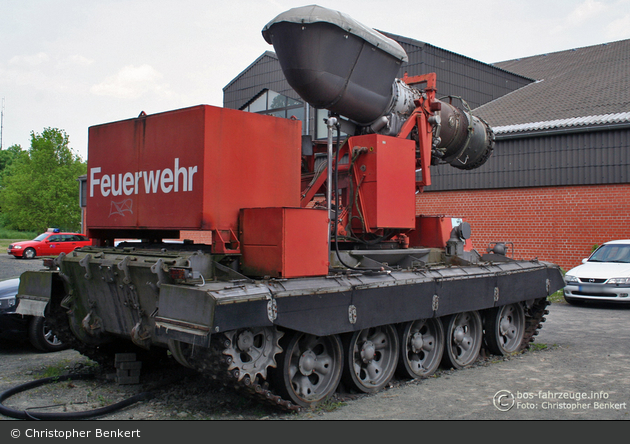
x: 12, y: 413
x: 336, y: 193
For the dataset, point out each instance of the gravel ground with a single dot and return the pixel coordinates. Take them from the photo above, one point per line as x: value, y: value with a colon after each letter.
x: 577, y: 371
x: 11, y: 267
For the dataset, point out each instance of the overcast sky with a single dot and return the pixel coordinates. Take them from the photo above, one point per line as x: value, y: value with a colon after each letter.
x: 70, y: 64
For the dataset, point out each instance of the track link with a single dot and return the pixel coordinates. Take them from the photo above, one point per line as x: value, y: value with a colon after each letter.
x: 211, y: 362
x: 534, y: 318
x: 214, y: 363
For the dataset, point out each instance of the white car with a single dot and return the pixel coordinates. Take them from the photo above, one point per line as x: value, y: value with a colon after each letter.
x: 603, y: 276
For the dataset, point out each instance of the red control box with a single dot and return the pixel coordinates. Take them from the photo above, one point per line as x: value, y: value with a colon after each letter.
x: 284, y: 242
x: 386, y: 177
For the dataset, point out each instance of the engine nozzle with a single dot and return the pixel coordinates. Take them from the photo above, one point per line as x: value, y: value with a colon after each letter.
x: 461, y: 139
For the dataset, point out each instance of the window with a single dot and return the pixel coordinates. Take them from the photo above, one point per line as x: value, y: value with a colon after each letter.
x: 321, y: 129
x: 274, y: 104
x: 612, y: 253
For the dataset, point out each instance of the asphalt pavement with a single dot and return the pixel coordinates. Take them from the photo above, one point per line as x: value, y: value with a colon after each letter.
x: 581, y: 374
x: 11, y: 267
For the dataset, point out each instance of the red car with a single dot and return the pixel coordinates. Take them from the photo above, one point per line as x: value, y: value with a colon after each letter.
x: 50, y: 243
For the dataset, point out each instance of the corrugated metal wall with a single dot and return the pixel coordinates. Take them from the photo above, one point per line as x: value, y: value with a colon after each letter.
x: 474, y: 81
x: 568, y: 158
x: 264, y: 72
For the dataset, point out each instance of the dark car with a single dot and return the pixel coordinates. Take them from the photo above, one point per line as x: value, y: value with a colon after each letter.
x: 50, y: 243
x: 14, y: 326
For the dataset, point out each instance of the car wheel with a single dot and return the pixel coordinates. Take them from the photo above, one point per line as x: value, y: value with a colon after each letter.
x: 29, y: 253
x: 42, y: 337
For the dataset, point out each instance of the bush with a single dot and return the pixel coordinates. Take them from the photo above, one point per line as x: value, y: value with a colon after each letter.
x: 13, y: 234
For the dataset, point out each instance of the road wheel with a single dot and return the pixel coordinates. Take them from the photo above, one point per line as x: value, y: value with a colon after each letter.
x: 463, y: 333
x: 29, y: 253
x: 421, y: 348
x: 42, y: 337
x: 371, y: 357
x: 505, y: 327
x: 309, y: 369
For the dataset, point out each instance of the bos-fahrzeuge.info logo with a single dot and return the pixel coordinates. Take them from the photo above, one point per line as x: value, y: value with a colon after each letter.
x: 505, y: 400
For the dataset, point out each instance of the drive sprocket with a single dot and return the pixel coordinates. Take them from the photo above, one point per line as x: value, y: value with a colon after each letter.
x: 251, y: 351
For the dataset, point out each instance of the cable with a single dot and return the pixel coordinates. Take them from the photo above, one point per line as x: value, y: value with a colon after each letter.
x: 12, y: 413
x: 336, y: 194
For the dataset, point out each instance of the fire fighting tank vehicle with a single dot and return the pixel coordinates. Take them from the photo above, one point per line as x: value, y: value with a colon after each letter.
x: 316, y: 268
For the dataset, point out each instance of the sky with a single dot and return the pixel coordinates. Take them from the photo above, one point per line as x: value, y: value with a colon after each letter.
x: 71, y: 64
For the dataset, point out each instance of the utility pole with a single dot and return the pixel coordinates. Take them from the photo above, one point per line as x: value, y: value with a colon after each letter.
x: 1, y: 122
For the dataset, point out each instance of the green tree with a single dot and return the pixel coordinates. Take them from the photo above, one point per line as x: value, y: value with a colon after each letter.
x: 39, y: 189
x: 8, y: 156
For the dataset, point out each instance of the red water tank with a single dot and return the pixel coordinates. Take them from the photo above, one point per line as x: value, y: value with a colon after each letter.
x: 190, y: 169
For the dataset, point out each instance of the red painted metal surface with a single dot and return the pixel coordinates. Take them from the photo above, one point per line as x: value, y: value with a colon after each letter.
x: 190, y: 169
x: 385, y: 174
x: 433, y: 232
x: 419, y: 119
x: 284, y: 242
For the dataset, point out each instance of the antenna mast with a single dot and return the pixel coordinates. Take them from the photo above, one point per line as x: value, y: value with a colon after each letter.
x: 1, y: 122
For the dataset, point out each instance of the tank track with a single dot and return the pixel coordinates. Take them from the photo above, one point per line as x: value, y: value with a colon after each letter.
x: 534, y: 319
x: 57, y: 319
x: 212, y: 362
x: 215, y: 364
x: 103, y: 354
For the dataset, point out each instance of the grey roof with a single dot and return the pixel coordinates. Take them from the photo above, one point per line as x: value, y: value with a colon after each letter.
x: 603, y: 119
x: 582, y: 86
